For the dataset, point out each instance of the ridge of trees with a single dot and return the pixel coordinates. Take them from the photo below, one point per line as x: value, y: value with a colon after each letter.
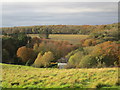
x: 60, y: 29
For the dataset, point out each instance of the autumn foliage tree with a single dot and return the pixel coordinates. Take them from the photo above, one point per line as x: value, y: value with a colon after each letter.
x: 38, y: 62
x: 109, y: 52
x: 26, y: 54
x: 45, y: 60
x: 75, y: 59
x: 89, y: 42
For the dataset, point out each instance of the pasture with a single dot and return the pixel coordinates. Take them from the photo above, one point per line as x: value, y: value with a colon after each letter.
x: 17, y: 76
x: 72, y: 38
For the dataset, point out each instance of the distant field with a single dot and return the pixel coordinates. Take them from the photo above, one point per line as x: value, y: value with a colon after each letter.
x: 16, y: 76
x: 73, y: 39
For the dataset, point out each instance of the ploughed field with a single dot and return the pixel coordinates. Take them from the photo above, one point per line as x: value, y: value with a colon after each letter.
x: 72, y: 38
x: 17, y: 76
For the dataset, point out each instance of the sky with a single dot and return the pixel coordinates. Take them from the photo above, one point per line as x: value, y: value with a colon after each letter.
x: 58, y: 13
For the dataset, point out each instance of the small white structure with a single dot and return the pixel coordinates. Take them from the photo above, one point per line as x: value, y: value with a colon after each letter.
x: 61, y: 65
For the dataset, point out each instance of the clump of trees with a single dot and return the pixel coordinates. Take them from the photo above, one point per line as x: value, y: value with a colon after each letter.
x: 110, y: 52
x: 58, y: 48
x: 106, y: 54
x: 10, y: 45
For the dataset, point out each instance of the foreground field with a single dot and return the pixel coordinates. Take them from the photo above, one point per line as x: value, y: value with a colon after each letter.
x: 73, y: 39
x: 16, y: 76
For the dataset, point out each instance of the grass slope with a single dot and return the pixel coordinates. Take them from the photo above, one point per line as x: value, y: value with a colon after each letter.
x: 73, y: 39
x: 16, y: 76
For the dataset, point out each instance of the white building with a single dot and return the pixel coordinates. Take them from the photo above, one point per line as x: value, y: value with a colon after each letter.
x: 61, y: 65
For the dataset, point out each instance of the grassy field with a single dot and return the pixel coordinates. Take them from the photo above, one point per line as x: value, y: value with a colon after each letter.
x: 73, y: 39
x: 16, y: 76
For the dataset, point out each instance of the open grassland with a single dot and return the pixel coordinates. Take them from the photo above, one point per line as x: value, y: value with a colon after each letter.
x: 16, y: 76
x: 72, y: 38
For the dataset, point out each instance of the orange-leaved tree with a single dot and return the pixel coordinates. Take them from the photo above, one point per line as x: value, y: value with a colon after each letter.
x: 26, y: 54
x: 109, y: 51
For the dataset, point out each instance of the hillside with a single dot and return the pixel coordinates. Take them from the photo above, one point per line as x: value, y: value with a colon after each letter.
x: 16, y: 76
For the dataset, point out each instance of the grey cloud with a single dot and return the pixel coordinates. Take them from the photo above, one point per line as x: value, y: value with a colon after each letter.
x: 15, y: 14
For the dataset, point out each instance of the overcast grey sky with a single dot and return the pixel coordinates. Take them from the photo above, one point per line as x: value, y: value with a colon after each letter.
x: 52, y: 13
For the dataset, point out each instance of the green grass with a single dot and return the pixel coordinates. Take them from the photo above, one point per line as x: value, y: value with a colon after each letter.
x: 16, y: 76
x: 73, y: 39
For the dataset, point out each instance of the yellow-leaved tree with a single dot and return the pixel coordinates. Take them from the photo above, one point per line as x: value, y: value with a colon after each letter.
x: 37, y: 62
x: 45, y: 60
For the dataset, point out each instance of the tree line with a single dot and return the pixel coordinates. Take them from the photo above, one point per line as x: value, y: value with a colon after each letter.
x: 60, y: 29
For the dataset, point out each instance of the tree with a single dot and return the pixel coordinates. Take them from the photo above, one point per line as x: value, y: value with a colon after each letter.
x: 88, y: 61
x: 38, y: 62
x: 5, y: 56
x: 75, y: 59
x: 44, y: 33
x: 89, y: 42
x: 26, y: 54
x: 47, y: 33
x: 10, y: 45
x: 47, y: 58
